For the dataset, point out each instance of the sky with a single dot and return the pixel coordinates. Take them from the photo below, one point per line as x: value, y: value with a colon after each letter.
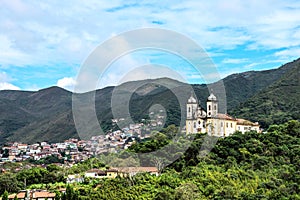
x: 45, y: 43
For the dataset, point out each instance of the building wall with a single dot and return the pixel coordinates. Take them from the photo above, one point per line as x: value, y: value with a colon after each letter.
x: 245, y: 128
x: 220, y: 127
x: 112, y: 174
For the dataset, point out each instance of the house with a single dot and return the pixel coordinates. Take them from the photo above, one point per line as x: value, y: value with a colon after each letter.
x: 95, y: 173
x: 212, y: 122
x: 75, y: 178
x: 245, y: 125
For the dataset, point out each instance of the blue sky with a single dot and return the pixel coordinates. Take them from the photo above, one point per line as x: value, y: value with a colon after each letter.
x: 44, y: 43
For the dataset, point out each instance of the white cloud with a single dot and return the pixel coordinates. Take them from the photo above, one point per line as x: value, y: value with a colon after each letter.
x: 289, y: 53
x: 4, y: 82
x: 8, y: 86
x: 37, y: 34
x: 122, y: 67
x: 67, y: 83
x: 234, y: 60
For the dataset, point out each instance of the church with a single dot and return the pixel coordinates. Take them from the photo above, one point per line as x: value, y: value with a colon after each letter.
x: 211, y: 121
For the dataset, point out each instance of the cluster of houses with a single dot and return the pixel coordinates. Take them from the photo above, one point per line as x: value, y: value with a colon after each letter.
x: 74, y: 150
x: 68, y: 149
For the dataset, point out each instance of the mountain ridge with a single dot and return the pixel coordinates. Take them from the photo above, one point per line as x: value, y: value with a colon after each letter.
x: 30, y: 116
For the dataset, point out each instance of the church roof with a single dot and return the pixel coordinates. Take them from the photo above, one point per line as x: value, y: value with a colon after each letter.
x: 225, y: 116
x: 246, y: 122
x: 212, y: 97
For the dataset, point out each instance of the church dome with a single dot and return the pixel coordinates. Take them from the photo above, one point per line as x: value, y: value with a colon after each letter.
x: 212, y: 97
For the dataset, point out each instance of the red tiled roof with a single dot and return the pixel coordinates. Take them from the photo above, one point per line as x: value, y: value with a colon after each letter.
x: 20, y: 195
x: 43, y: 194
x: 246, y: 122
x: 225, y: 116
x: 98, y: 171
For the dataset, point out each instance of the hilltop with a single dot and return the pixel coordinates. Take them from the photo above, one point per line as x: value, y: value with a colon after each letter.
x: 276, y: 103
x: 268, y: 97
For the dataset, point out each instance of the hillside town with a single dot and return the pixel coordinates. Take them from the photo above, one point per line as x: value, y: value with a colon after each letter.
x: 75, y: 150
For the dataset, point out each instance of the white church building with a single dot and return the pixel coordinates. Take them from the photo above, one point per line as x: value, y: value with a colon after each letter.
x: 211, y: 121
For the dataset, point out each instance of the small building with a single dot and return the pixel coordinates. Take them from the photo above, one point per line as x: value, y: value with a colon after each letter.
x: 245, y: 125
x: 95, y: 173
x: 75, y: 178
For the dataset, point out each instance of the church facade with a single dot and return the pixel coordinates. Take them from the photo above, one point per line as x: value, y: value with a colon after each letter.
x: 210, y: 121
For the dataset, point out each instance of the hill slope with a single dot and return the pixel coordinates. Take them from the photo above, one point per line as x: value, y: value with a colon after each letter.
x: 47, y: 114
x: 277, y: 103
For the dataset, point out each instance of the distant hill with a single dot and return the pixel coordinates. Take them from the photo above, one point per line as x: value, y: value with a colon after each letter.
x: 46, y: 115
x: 278, y: 102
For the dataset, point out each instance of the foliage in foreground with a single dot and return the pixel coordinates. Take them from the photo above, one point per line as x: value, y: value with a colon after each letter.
x: 242, y: 166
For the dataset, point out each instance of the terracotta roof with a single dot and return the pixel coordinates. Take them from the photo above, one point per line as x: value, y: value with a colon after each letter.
x: 20, y: 195
x: 92, y: 170
x: 225, y: 116
x: 43, y: 194
x: 246, y: 122
x: 98, y: 171
x: 112, y: 170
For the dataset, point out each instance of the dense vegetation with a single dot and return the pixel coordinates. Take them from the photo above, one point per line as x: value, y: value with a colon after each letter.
x: 277, y: 103
x: 242, y: 166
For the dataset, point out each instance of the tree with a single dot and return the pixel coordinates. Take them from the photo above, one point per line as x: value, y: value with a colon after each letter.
x: 9, y: 183
x: 187, y: 191
x: 5, y: 195
x: 57, y: 195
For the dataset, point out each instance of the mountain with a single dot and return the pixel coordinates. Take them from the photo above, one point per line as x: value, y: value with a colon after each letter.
x: 276, y: 103
x: 34, y: 116
x: 46, y: 115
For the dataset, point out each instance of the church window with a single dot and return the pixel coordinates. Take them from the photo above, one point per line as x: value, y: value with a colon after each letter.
x: 209, y: 108
x: 199, y: 122
x: 215, y: 107
x: 194, y: 124
x: 221, y: 124
x: 189, y: 109
x: 226, y: 124
x: 231, y: 125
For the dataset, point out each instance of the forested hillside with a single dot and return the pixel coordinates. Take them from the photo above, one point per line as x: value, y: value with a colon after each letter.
x: 277, y: 103
x: 241, y: 166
